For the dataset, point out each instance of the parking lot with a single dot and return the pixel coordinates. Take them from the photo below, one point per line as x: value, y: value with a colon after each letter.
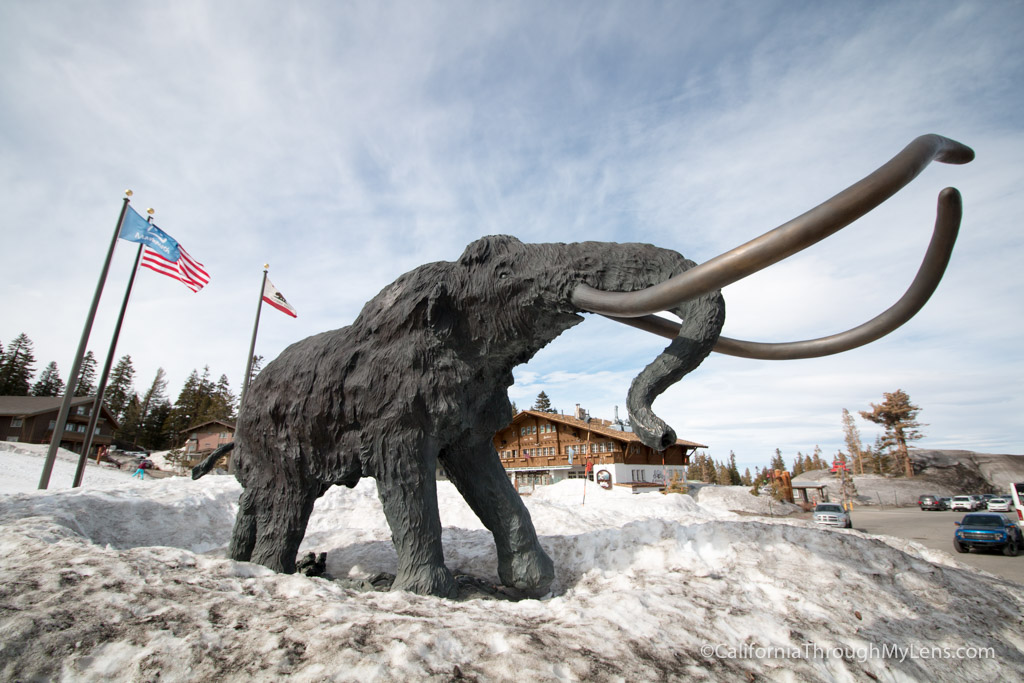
x: 934, y: 529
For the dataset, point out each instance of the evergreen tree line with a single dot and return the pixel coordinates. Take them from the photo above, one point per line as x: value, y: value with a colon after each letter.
x: 888, y: 456
x: 148, y: 420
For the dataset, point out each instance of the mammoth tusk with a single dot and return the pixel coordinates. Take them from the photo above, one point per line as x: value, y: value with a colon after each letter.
x: 784, y: 241
x: 947, y: 225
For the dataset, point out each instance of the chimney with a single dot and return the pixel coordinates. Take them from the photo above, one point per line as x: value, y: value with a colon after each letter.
x: 580, y: 413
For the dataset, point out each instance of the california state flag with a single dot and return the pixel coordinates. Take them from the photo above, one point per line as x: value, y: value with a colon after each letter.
x: 276, y: 299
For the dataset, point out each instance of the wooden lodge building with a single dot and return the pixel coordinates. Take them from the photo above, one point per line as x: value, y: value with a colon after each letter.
x: 545, y: 448
x: 204, y: 438
x: 31, y: 419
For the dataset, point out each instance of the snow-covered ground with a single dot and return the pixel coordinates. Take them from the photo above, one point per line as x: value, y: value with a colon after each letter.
x: 125, y: 580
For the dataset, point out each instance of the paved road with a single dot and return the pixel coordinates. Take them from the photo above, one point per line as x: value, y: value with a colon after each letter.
x: 934, y: 529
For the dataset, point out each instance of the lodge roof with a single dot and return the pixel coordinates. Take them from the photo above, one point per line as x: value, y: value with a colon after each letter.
x: 31, y: 406
x: 596, y: 425
x: 27, y: 406
x: 230, y: 424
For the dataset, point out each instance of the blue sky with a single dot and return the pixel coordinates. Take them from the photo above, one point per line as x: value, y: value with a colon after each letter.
x: 347, y: 143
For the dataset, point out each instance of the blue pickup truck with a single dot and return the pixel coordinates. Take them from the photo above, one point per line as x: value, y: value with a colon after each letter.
x: 988, y: 530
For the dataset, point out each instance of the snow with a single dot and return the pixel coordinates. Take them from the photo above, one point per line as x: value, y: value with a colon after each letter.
x: 739, y: 499
x: 125, y: 580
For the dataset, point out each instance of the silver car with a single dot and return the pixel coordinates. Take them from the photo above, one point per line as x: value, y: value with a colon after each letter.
x: 832, y: 514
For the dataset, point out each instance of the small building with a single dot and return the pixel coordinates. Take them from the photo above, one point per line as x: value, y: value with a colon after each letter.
x: 545, y: 448
x: 204, y: 438
x: 31, y: 419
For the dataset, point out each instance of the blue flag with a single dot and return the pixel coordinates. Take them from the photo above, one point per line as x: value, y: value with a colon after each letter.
x: 135, y: 228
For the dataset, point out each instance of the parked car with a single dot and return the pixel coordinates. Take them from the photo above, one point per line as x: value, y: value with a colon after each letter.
x: 927, y: 502
x: 965, y: 503
x: 832, y: 514
x: 947, y: 503
x: 988, y: 530
x: 146, y: 464
x: 999, y: 505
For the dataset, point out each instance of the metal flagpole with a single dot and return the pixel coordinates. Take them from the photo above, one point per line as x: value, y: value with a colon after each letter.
x: 69, y: 390
x: 97, y: 404
x: 252, y: 344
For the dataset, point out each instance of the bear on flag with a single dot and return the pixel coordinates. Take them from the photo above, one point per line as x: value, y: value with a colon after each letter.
x: 276, y: 299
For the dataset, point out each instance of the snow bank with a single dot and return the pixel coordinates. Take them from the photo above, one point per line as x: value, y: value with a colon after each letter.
x: 740, y: 499
x: 21, y: 465
x: 128, y: 584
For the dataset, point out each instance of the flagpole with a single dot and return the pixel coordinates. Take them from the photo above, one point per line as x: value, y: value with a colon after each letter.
x: 252, y: 344
x: 97, y: 404
x: 76, y: 366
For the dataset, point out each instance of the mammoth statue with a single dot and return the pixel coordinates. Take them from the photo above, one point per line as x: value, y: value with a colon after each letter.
x: 421, y: 375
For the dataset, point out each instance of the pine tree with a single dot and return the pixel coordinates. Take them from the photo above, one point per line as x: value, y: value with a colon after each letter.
x: 817, y: 461
x: 16, y: 370
x: 120, y: 387
x: 141, y: 415
x: 898, y: 416
x: 543, y: 403
x: 131, y: 421
x: 880, y: 458
x: 746, y: 479
x: 707, y: 469
x: 693, y: 470
x: 734, y: 473
x: 798, y: 464
x: 223, y: 404
x: 257, y: 364
x: 853, y: 445
x: 87, y: 376
x: 50, y: 383
x: 777, y: 462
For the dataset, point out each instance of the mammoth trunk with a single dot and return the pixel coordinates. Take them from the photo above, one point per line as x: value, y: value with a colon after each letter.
x: 702, y: 323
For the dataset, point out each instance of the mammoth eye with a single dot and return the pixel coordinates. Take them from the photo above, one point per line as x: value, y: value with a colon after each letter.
x: 503, y: 274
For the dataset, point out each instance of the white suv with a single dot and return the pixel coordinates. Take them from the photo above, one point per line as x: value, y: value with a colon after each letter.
x: 963, y: 503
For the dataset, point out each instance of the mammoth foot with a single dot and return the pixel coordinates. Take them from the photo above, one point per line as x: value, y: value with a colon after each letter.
x: 530, y: 571
x: 427, y: 580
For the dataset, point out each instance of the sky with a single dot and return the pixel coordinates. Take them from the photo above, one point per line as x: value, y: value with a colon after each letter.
x: 346, y: 143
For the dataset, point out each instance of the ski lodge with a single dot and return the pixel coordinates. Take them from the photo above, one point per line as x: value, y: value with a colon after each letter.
x: 540, y: 448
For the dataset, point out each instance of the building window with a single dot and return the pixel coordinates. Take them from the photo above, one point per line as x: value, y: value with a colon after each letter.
x: 16, y: 421
x: 53, y: 423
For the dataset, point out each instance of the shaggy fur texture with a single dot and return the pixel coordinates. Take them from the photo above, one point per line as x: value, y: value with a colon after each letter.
x: 422, y: 375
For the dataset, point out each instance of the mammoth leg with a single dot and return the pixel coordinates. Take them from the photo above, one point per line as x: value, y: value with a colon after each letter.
x: 243, y: 537
x: 280, y: 504
x: 407, y: 488
x: 479, y: 476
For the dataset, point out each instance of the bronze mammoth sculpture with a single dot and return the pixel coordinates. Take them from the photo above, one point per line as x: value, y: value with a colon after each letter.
x: 421, y: 375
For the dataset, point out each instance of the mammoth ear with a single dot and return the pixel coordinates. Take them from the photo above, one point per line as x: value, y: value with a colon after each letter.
x: 487, y: 248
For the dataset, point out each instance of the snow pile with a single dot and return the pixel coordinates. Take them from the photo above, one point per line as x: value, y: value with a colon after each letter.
x: 740, y: 499
x: 128, y: 583
x: 21, y: 465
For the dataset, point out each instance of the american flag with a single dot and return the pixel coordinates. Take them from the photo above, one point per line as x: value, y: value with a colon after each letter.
x: 186, y: 269
x: 162, y: 253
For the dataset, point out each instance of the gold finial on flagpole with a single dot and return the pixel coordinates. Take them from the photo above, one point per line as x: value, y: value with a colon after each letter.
x: 150, y: 211
x: 128, y: 193
x: 266, y: 266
